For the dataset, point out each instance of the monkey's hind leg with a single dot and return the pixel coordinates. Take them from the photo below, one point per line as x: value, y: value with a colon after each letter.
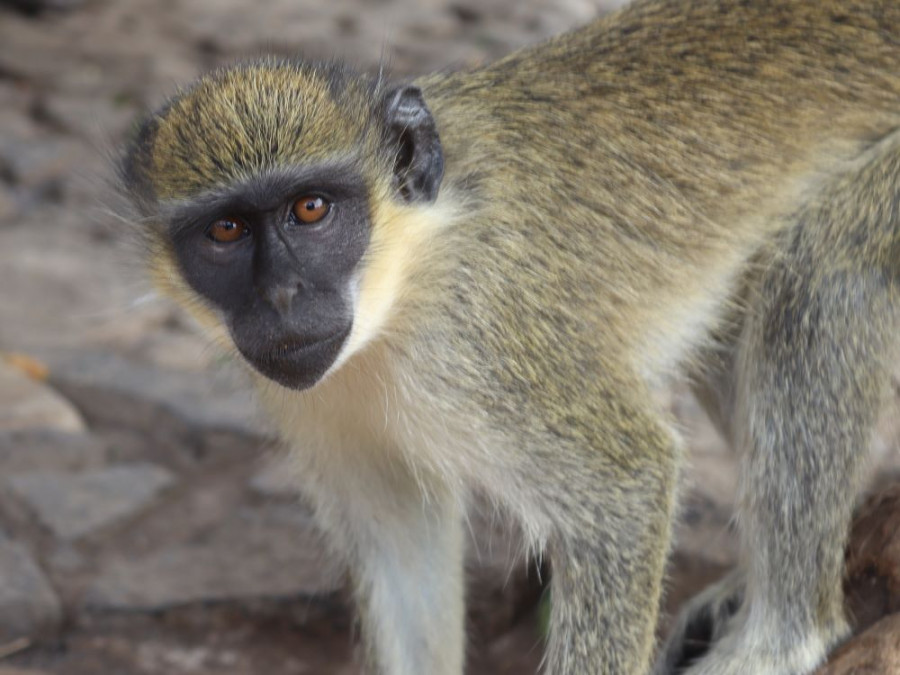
x: 812, y: 370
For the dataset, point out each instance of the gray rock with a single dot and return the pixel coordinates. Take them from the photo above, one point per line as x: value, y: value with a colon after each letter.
x: 9, y: 207
x: 256, y: 553
x: 42, y: 5
x: 214, y: 401
x: 59, y: 282
x: 86, y: 115
x: 29, y: 607
x: 274, y: 479
x: 15, y: 101
x: 31, y: 163
x: 66, y: 559
x: 16, y: 122
x: 28, y: 404
x: 48, y: 449
x: 75, y: 504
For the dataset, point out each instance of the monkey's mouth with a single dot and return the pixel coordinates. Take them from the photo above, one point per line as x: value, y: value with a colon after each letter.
x: 297, y: 362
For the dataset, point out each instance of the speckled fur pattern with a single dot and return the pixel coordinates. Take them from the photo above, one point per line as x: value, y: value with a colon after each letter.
x: 612, y: 198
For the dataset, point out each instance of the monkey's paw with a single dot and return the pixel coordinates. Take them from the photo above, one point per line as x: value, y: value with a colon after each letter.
x: 705, y: 619
x: 712, y: 636
x: 733, y: 655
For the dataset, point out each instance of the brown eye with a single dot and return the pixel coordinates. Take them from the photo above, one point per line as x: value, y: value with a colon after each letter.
x: 311, y: 209
x: 227, y: 230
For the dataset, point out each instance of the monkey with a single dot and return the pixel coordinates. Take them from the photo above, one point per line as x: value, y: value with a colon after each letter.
x: 472, y: 283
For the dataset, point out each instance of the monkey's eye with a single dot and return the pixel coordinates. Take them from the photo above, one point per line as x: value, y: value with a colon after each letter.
x: 227, y: 230
x: 311, y: 209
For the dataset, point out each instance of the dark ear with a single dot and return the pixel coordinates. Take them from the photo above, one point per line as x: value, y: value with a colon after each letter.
x: 412, y: 134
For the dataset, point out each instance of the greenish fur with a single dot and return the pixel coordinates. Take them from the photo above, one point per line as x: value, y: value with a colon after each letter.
x: 237, y: 122
x: 623, y: 200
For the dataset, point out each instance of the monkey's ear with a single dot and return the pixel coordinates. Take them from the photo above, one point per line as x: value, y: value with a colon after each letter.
x: 412, y: 133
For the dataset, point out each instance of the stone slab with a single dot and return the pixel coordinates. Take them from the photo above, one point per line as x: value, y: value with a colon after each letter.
x: 26, y: 403
x: 214, y: 401
x: 74, y: 504
x: 29, y: 607
x: 267, y: 552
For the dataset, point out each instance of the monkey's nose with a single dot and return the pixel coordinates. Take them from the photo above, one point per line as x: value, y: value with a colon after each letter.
x: 281, y: 298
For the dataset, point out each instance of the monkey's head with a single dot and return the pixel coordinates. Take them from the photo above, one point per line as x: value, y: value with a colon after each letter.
x: 272, y: 196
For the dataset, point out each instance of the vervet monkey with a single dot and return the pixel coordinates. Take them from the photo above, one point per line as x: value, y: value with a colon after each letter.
x: 473, y: 283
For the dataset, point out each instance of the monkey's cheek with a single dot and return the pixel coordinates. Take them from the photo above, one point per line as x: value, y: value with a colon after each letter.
x: 298, y: 367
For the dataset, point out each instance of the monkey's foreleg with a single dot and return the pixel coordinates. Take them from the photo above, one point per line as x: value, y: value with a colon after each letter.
x: 812, y: 371
x: 409, y: 586
x: 404, y: 547
x: 609, y: 551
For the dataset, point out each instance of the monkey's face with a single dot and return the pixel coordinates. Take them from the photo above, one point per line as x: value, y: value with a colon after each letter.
x: 277, y: 256
x: 261, y: 184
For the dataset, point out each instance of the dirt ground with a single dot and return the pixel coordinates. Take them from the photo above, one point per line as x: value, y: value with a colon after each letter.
x: 143, y: 526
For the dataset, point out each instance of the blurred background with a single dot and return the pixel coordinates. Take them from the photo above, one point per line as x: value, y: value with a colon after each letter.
x: 143, y: 526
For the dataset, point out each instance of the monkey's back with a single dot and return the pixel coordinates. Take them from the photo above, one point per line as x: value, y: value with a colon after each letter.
x: 670, y: 136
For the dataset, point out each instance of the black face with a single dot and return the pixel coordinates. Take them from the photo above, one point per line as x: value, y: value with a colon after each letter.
x: 277, y: 256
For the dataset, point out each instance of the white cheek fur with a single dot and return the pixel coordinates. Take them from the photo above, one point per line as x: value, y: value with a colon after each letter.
x: 355, y: 341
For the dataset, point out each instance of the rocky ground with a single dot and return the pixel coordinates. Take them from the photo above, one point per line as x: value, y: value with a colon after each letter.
x: 143, y: 526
